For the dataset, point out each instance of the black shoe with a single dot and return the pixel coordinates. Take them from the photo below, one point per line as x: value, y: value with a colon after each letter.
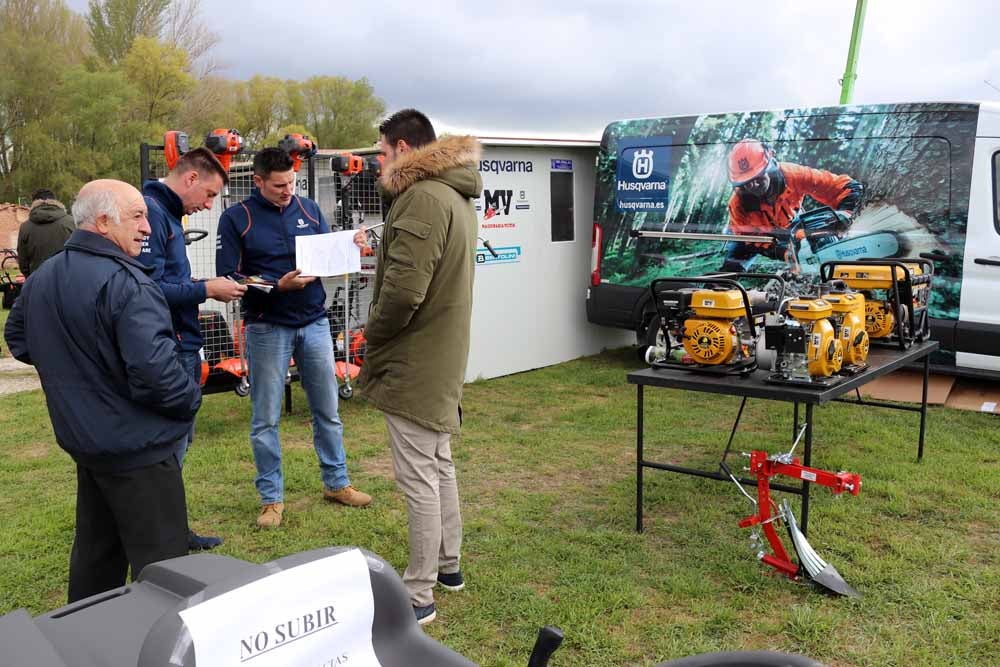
x: 198, y: 542
x: 452, y: 581
x: 425, y: 614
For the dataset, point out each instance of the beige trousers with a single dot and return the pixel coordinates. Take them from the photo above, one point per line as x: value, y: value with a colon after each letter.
x: 426, y: 476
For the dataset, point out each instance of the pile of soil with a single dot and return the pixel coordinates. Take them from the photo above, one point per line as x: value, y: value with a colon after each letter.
x: 11, y: 217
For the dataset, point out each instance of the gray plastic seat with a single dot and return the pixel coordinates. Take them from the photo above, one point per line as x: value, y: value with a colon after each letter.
x: 138, y: 624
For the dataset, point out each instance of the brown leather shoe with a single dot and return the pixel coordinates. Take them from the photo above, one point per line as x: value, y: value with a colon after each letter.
x: 347, y: 496
x: 270, y: 515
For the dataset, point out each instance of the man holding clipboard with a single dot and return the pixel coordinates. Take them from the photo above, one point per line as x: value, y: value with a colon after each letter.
x: 257, y: 238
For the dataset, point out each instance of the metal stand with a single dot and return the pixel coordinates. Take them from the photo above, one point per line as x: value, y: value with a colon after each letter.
x: 755, y: 386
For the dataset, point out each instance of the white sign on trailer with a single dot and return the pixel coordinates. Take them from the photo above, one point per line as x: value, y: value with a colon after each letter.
x: 529, y: 309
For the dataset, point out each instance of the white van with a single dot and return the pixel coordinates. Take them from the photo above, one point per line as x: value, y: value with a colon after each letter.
x: 908, y: 180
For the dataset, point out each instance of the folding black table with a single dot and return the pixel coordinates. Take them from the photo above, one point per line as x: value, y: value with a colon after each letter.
x: 754, y: 385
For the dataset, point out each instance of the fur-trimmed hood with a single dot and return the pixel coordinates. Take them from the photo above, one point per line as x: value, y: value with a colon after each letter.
x: 458, y: 155
x: 46, y: 211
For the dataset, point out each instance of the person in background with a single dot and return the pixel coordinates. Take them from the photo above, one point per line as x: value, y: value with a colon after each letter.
x: 44, y: 232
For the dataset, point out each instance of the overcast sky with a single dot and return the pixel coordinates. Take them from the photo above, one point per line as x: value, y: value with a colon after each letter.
x: 548, y: 67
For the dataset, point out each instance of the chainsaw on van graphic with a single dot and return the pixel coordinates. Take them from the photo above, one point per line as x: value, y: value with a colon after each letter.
x: 813, y: 237
x: 820, y: 235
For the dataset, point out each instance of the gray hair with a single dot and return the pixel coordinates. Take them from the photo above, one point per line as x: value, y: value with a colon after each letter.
x: 88, y: 207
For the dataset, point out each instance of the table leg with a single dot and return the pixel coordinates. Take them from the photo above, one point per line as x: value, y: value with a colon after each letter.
x: 923, y: 408
x: 638, y: 459
x: 795, y: 420
x: 807, y: 460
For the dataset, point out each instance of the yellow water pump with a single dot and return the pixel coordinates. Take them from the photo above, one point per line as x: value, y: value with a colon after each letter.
x: 848, y: 317
x: 706, y: 323
x: 824, y: 351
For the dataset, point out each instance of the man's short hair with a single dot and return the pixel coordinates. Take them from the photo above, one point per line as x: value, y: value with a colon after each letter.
x: 409, y: 125
x: 42, y: 193
x: 269, y: 160
x: 93, y: 204
x: 203, y: 161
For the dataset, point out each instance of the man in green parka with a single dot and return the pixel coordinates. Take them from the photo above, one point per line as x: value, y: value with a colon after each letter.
x: 418, y: 335
x: 44, y: 233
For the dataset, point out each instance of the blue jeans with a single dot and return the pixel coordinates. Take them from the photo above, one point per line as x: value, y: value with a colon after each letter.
x: 191, y: 361
x: 269, y: 348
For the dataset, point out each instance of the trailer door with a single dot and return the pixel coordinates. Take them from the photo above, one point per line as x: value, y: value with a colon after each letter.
x: 977, y: 336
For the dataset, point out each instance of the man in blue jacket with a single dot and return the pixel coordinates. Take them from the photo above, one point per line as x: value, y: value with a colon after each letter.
x: 191, y: 186
x: 257, y: 238
x: 97, y: 329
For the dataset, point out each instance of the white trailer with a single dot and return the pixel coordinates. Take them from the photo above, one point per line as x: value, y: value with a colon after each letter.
x: 536, y: 211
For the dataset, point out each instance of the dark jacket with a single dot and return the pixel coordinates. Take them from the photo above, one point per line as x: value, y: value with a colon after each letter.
x: 257, y: 238
x: 418, y: 328
x: 42, y: 234
x: 165, y: 253
x: 97, y: 329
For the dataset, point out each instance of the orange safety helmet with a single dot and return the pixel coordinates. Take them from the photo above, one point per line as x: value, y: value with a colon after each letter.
x: 748, y: 160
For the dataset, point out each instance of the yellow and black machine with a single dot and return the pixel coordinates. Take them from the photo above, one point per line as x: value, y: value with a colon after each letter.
x: 707, y: 323
x: 897, y: 295
x: 848, y: 320
x: 806, y: 344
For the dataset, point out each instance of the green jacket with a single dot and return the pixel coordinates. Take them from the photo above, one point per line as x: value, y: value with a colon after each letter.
x: 43, y: 234
x: 418, y: 327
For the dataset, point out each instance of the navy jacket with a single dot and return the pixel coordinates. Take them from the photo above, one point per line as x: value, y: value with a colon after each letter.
x: 97, y: 329
x: 257, y: 238
x: 164, y: 252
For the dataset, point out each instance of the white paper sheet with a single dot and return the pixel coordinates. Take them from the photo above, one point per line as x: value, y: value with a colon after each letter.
x: 315, y: 614
x: 323, y: 255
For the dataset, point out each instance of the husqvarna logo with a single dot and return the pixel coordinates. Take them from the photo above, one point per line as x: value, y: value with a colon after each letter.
x: 642, y: 164
x: 642, y: 178
x: 301, y: 224
x: 744, y: 164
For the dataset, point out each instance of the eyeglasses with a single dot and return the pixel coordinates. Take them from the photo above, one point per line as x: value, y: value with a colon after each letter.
x: 757, y: 185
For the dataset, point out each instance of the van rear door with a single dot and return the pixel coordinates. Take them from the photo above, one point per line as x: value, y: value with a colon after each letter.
x: 977, y: 335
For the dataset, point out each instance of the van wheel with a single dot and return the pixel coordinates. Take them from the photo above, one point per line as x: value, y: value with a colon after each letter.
x: 651, y: 337
x: 345, y: 392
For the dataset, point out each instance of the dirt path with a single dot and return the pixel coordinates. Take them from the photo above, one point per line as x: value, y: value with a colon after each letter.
x: 15, y: 376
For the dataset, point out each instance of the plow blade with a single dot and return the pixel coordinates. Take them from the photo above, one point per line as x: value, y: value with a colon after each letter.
x: 815, y: 567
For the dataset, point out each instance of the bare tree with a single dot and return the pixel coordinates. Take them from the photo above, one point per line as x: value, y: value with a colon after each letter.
x: 184, y: 28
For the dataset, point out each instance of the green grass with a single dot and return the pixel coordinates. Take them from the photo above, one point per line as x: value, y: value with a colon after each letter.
x: 547, y: 477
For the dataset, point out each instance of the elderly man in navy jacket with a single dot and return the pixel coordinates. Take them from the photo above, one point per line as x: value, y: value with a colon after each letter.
x: 97, y: 329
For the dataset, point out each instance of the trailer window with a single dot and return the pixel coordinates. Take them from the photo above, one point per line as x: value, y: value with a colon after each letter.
x: 996, y: 190
x: 561, y: 189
